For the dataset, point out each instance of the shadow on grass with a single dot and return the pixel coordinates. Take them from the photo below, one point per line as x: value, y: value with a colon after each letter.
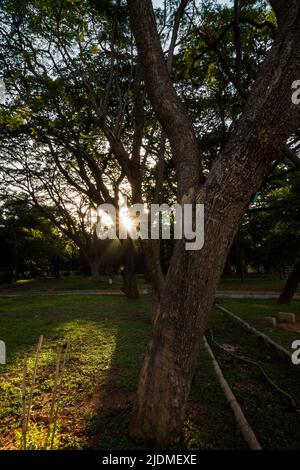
x: 109, y: 336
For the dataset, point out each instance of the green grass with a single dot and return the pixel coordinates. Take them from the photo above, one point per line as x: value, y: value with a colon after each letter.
x: 104, y: 333
x: 254, y: 311
x: 275, y: 423
x: 74, y: 283
x: 253, y: 283
x: 108, y: 337
x: 209, y: 423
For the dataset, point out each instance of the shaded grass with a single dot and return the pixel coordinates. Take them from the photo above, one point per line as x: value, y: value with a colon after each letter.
x: 209, y: 424
x: 274, y: 421
x: 254, y: 311
x: 70, y: 283
x: 253, y: 283
x: 95, y: 328
x: 108, y: 337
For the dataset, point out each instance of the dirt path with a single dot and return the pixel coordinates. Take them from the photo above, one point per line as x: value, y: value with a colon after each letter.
x: 220, y: 294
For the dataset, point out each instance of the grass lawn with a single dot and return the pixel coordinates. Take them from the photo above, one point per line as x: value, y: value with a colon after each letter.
x: 274, y: 420
x: 108, y: 337
x: 254, y: 311
x: 253, y: 283
x: 71, y: 283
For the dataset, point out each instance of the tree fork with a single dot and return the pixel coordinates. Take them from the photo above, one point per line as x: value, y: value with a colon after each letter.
x: 193, y: 277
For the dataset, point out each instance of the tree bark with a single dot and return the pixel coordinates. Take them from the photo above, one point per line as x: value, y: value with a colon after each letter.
x: 90, y: 249
x: 170, y: 111
x: 269, y: 118
x: 151, y: 250
x: 94, y: 264
x: 129, y: 275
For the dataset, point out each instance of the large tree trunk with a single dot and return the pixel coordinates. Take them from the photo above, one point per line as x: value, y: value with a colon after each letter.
x: 291, y: 285
x: 90, y: 251
x: 151, y: 251
x: 94, y: 265
x: 129, y: 275
x: 186, y: 301
x: 93, y: 262
x: 268, y: 120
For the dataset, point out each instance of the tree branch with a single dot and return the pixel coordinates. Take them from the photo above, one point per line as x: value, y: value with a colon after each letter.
x: 167, y: 106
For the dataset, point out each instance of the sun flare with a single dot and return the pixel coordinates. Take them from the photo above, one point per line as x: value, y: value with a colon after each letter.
x: 126, y: 221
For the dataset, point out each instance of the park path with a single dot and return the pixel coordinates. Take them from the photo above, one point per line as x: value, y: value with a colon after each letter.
x: 250, y: 295
x: 115, y: 292
x: 33, y: 293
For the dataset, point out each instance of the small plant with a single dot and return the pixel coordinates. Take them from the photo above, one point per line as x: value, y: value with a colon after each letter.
x: 35, y: 437
x: 27, y: 408
x: 44, y: 437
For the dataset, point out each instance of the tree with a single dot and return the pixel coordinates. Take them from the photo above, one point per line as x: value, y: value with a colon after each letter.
x: 28, y: 173
x: 269, y: 118
x: 71, y: 88
x: 290, y: 215
x: 30, y: 242
x: 270, y: 230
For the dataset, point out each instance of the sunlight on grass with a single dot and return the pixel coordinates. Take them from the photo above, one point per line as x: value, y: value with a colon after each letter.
x: 93, y: 329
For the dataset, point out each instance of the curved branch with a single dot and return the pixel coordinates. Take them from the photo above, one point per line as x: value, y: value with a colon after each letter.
x: 167, y: 106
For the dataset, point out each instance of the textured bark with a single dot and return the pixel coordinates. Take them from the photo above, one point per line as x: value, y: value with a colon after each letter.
x: 169, y: 109
x: 94, y: 264
x: 129, y: 275
x: 95, y: 268
x: 269, y: 118
x: 151, y: 249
